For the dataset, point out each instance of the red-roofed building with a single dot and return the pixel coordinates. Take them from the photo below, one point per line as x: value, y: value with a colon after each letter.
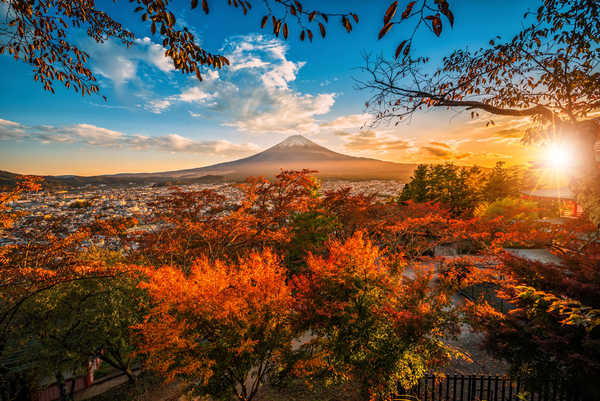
x: 568, y: 201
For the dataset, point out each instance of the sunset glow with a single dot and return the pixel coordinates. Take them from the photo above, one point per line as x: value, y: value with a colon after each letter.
x: 299, y: 200
x: 156, y: 119
x: 559, y: 156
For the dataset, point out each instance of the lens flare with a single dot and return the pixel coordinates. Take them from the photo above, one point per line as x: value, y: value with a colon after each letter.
x: 559, y: 156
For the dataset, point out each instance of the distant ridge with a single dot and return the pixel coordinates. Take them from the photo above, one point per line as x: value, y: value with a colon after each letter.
x: 294, y: 153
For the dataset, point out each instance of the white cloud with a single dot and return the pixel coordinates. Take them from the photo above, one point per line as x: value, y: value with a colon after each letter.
x: 154, y: 54
x: 254, y: 93
x: 159, y: 105
x: 210, y: 75
x: 289, y: 113
x: 265, y: 56
x: 194, y: 94
x: 351, y: 121
x: 120, y: 64
x: 119, y: 70
x: 92, y: 135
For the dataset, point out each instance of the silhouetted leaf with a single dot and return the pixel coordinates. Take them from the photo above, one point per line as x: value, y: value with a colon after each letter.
x: 385, y: 29
x: 322, y: 29
x: 408, y: 10
x: 399, y: 48
x: 389, y: 14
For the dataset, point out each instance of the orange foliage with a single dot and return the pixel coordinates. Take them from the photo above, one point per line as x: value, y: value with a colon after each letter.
x: 369, y: 325
x: 193, y: 224
x: 224, y: 324
x: 48, y: 258
x: 26, y: 183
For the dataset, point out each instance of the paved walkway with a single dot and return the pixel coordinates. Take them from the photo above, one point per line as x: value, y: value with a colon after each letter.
x: 102, y: 386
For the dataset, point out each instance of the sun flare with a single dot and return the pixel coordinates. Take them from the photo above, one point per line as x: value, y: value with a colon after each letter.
x: 559, y: 156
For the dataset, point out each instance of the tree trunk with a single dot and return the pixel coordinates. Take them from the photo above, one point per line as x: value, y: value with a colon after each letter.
x: 130, y: 375
x: 62, y: 389
x: 119, y: 364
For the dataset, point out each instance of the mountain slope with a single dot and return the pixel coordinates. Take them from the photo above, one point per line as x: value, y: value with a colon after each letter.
x: 294, y: 153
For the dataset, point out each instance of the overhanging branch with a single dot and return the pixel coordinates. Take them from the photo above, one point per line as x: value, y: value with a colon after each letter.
x: 472, y: 104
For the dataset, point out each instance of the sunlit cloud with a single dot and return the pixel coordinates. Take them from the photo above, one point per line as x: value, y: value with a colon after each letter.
x: 372, y: 141
x: 253, y: 94
x: 351, y: 121
x: 92, y: 135
x: 120, y: 64
x: 158, y: 106
x: 194, y: 94
x: 445, y: 151
x: 289, y: 113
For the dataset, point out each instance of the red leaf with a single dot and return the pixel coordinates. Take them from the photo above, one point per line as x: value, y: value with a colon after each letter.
x: 322, y: 29
x: 385, y: 29
x: 389, y: 14
x: 399, y: 48
x: 408, y: 10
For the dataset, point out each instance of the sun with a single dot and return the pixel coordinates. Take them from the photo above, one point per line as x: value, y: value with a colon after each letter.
x: 559, y: 156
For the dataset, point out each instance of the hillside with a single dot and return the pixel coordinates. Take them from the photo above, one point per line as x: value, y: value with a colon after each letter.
x: 295, y: 152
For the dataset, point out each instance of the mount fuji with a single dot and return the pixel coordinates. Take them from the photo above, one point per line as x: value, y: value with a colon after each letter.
x: 295, y: 153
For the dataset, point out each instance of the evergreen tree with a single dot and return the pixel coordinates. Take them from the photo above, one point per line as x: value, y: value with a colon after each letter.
x: 501, y: 183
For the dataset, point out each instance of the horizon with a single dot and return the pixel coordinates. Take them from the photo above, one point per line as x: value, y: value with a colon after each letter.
x: 157, y: 120
x: 288, y: 139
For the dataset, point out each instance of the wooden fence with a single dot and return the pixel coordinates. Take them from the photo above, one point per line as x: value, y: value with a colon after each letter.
x: 485, y: 388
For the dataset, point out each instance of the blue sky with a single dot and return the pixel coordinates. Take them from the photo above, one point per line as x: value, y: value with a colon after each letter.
x: 158, y: 119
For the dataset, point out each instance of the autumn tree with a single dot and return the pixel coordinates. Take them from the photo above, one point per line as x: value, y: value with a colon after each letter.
x: 7, y: 213
x: 355, y: 212
x: 225, y: 326
x: 60, y: 302
x: 42, y: 34
x: 369, y: 326
x: 190, y: 224
x: 547, y: 73
x: 536, y: 309
x: 552, y: 328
